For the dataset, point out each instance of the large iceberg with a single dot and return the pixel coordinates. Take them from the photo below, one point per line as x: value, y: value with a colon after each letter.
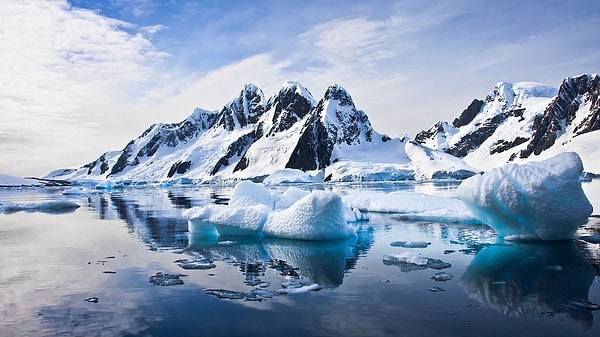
x: 534, y: 201
x: 297, y: 214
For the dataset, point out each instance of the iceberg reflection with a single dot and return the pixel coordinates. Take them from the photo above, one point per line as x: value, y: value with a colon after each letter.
x: 322, y: 262
x: 532, y: 280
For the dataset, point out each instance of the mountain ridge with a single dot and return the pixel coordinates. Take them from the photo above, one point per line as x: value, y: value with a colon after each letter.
x: 520, y: 121
x: 252, y: 137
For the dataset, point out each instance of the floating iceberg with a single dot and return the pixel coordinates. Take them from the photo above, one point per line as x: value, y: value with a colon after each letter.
x: 52, y: 207
x: 534, y: 201
x: 412, y: 206
x: 293, y: 176
x: 318, y: 215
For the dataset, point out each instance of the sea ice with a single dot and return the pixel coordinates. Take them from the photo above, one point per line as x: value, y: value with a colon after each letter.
x: 534, y: 201
x: 409, y: 260
x: 405, y: 257
x: 198, y: 263
x: 161, y: 279
x: 53, y: 207
x: 442, y: 276
x: 412, y: 206
x: 293, y: 176
x: 410, y: 244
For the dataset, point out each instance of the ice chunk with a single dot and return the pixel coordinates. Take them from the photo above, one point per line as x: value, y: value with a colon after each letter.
x: 53, y: 207
x: 409, y: 260
x: 298, y: 290
x: 318, y: 216
x: 198, y: 263
x: 534, y: 201
x: 405, y: 257
x: 442, y: 276
x: 412, y: 206
x: 247, y: 193
x: 76, y: 191
x: 410, y: 244
x: 161, y: 279
x: 293, y: 176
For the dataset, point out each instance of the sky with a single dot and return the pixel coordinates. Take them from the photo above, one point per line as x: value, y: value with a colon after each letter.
x: 82, y: 77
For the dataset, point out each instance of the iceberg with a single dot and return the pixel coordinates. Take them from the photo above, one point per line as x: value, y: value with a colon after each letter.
x: 321, y: 215
x: 316, y: 215
x: 533, y: 201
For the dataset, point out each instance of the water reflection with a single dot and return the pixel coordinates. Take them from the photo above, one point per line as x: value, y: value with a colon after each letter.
x: 322, y: 262
x: 532, y: 280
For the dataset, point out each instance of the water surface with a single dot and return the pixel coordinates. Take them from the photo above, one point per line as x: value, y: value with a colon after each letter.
x: 87, y: 273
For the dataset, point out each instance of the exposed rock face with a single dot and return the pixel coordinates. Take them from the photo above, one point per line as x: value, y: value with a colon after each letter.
x: 334, y: 121
x: 573, y: 93
x: 469, y: 113
x: 246, y: 109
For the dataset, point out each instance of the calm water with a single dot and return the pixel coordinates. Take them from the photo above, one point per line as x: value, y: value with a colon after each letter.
x: 107, y: 251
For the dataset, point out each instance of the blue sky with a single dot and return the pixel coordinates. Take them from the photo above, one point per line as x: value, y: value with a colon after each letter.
x: 82, y: 77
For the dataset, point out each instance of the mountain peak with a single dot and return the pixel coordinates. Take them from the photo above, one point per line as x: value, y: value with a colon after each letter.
x: 243, y: 110
x: 336, y: 92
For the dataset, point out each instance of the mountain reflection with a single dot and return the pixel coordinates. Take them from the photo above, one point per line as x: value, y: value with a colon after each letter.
x: 532, y: 280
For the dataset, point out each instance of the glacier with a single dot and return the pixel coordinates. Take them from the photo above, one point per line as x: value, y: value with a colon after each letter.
x: 533, y: 201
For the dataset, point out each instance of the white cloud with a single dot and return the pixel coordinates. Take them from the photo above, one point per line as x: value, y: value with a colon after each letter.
x: 62, y: 72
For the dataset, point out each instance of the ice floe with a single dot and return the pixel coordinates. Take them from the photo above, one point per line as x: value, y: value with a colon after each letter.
x: 410, y: 244
x: 53, y: 207
x: 409, y: 261
x: 293, y: 176
x: 534, y: 201
x: 412, y: 206
x: 163, y: 279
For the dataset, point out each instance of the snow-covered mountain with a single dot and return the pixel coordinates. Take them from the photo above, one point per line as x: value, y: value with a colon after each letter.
x: 252, y: 137
x: 524, y: 121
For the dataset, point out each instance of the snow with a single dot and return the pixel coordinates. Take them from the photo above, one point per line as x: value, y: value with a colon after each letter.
x: 318, y: 216
x: 413, y: 206
x: 534, y: 201
x: 247, y: 193
x: 432, y: 164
